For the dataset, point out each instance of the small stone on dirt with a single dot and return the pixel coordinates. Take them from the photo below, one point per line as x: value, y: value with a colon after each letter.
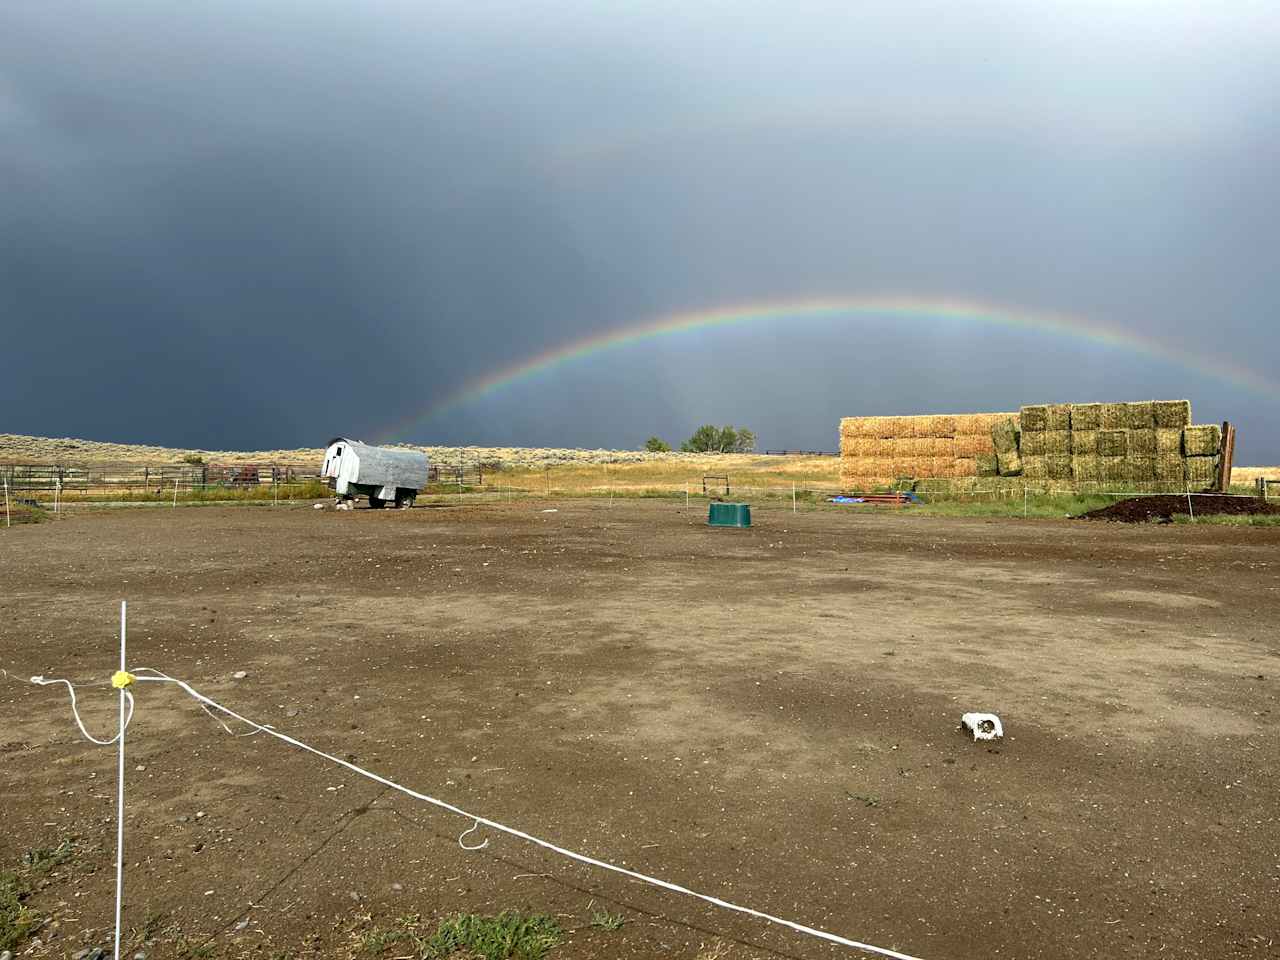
x: 239, y: 674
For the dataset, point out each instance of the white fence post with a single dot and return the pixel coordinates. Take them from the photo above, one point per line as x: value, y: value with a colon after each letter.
x: 120, y: 786
x: 7, y: 522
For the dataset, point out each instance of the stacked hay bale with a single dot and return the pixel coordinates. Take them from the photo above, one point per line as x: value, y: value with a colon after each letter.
x: 877, y: 451
x: 1201, y: 446
x: 1005, y: 437
x: 1046, y: 441
x: 1146, y: 445
x: 1086, y: 458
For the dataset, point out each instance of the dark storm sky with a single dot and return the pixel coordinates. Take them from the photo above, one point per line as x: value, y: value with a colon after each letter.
x: 249, y: 225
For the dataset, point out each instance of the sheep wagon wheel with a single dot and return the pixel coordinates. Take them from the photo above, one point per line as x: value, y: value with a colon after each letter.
x: 376, y: 503
x: 404, y: 501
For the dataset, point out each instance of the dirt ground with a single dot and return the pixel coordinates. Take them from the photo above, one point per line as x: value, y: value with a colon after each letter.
x: 766, y: 715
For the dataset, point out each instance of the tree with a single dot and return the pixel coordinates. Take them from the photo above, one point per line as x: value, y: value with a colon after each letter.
x: 711, y: 439
x: 657, y: 445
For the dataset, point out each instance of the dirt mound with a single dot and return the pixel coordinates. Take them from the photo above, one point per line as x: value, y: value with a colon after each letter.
x: 1164, y: 508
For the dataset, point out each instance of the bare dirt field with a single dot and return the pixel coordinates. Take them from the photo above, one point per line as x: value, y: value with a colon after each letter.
x: 767, y: 715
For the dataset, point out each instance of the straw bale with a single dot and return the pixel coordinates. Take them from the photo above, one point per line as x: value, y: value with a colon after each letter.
x: 1059, y: 466
x: 865, y: 466
x: 907, y: 447
x: 1169, y: 441
x: 1058, y: 416
x: 1034, y: 418
x: 984, y: 465
x: 1139, y: 468
x: 853, y: 481
x: 1010, y: 464
x: 1113, y: 443
x: 1084, y: 442
x: 1202, y: 441
x: 1033, y: 444
x: 1047, y: 443
x: 1004, y: 435
x: 1036, y: 466
x: 1140, y: 416
x: 860, y: 446
x: 941, y: 425
x: 1173, y: 413
x: 974, y: 444
x: 1086, y: 416
x: 1057, y: 442
x: 1142, y: 443
x: 1086, y: 467
x: 981, y: 423
x: 1169, y: 468
x: 1114, y: 468
x: 1201, y: 470
x: 1112, y: 416
x: 872, y: 427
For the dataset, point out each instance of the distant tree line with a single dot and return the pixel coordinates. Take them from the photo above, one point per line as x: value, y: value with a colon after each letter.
x: 710, y: 439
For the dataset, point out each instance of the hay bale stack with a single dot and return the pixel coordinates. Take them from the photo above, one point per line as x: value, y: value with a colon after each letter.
x: 1084, y: 443
x: 885, y: 449
x: 1112, y: 416
x: 1113, y: 443
x: 1086, y: 416
x: 1114, y: 469
x: 1086, y: 468
x: 974, y: 444
x: 1058, y: 417
x: 1004, y: 439
x: 1010, y: 464
x: 1170, y: 414
x: 1140, y: 416
x: 1046, y: 443
x: 1140, y: 469
x: 1168, y: 443
x: 1058, y: 465
x: 1169, y: 467
x: 1200, y: 470
x: 1202, y: 441
x: 1034, y: 418
x: 1142, y: 442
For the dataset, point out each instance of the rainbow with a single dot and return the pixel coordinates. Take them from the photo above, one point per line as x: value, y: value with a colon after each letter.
x: 916, y: 309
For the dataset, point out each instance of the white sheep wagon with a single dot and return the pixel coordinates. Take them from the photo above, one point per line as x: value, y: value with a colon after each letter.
x: 383, y: 474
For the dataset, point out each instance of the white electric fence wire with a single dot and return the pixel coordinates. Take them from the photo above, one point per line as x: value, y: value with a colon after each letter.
x: 159, y: 677
x: 75, y: 710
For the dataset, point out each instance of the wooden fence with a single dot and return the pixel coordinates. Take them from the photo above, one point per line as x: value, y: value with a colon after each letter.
x: 45, y: 479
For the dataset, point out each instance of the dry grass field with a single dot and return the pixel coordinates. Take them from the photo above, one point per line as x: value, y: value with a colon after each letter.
x: 17, y: 448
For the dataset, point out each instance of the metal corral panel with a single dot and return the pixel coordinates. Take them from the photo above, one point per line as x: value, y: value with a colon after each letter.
x: 354, y: 464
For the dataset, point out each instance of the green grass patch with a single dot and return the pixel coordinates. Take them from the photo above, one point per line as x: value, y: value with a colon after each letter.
x: 607, y: 921
x: 1042, y: 506
x: 23, y: 513
x: 43, y: 859
x: 17, y: 920
x: 1231, y: 520
x: 510, y: 934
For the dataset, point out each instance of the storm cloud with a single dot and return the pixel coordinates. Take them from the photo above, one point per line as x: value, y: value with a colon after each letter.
x: 247, y: 225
